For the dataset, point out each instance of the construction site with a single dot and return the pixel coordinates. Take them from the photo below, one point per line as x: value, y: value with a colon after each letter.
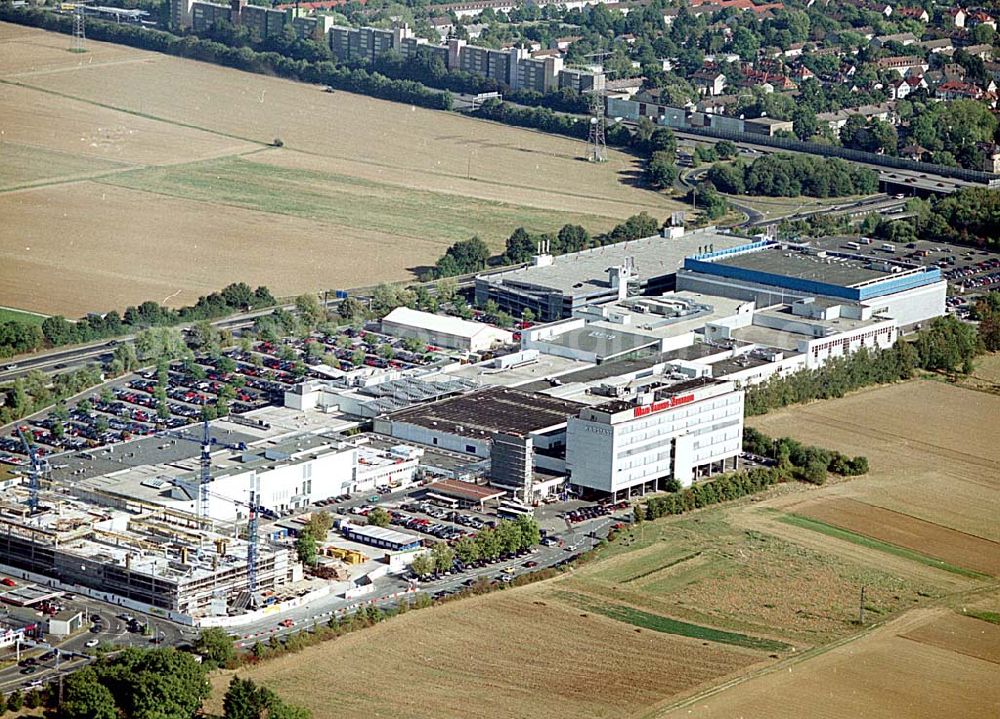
x: 137, y: 553
x: 150, y: 559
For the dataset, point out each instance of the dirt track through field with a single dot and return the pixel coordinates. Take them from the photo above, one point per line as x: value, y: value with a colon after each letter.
x: 514, y: 654
x: 933, y: 455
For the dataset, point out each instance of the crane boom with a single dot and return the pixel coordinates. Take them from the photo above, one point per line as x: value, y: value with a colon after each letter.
x: 34, y: 476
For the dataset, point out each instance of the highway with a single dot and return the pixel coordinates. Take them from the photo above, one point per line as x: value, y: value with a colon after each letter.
x: 60, y: 359
x: 880, y: 203
x: 895, y: 180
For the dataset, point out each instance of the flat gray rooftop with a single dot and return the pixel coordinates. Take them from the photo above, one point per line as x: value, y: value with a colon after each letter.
x: 586, y: 272
x: 619, y: 368
x: 602, y: 341
x: 163, y: 448
x: 737, y: 364
x: 841, y: 271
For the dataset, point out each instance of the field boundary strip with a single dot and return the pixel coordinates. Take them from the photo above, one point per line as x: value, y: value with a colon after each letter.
x: 668, y: 565
x: 666, y: 625
x: 847, y: 535
x: 983, y: 616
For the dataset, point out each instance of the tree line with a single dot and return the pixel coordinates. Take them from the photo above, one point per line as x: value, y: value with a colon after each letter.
x: 787, y: 175
x: 17, y: 337
x: 946, y: 345
x: 342, y: 77
x: 509, y: 537
x: 473, y: 255
x: 807, y: 462
x: 794, y: 461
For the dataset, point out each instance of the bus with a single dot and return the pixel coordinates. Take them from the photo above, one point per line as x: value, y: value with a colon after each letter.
x: 512, y: 510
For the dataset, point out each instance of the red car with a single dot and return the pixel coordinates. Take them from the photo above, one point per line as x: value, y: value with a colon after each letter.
x: 7, y: 581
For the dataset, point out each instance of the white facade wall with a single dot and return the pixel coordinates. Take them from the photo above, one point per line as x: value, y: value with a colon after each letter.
x: 407, y: 432
x: 612, y: 452
x: 368, y: 476
x: 880, y: 336
x: 908, y: 308
x: 284, y: 486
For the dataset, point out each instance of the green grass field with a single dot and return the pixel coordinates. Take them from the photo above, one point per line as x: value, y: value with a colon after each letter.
x: 348, y: 201
x: 9, y: 315
x: 830, y: 530
x: 666, y: 625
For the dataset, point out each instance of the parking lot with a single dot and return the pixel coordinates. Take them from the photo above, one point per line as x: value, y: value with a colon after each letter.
x: 244, y: 378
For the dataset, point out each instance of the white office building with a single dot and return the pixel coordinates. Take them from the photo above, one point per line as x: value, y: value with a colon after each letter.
x: 685, y: 430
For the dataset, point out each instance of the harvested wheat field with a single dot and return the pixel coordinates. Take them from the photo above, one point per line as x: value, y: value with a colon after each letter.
x: 187, y: 247
x: 902, y: 530
x: 514, y: 654
x: 932, y: 449
x: 963, y: 635
x: 381, y: 186
x: 885, y: 675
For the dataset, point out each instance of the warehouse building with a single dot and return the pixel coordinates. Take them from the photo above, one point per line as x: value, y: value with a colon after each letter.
x: 444, y: 331
x: 682, y: 430
x: 771, y: 273
x: 554, y: 288
x: 523, y: 432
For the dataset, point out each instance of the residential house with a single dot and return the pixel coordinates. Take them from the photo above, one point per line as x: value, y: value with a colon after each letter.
x: 769, y: 74
x: 957, y: 90
x: 885, y: 111
x: 902, y: 64
x: 941, y: 45
x: 563, y: 43
x: 708, y: 81
x: 903, y: 38
x: 983, y: 52
x: 795, y: 49
x: 980, y: 17
x: 991, y: 157
x: 801, y: 72
x: 914, y: 13
x: 716, y: 105
x: 914, y: 152
x: 957, y: 16
x: 624, y: 88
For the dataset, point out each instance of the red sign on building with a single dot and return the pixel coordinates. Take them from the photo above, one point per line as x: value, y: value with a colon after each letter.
x: 660, y: 406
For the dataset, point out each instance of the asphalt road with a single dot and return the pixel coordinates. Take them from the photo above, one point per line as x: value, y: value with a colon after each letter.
x: 387, y: 590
